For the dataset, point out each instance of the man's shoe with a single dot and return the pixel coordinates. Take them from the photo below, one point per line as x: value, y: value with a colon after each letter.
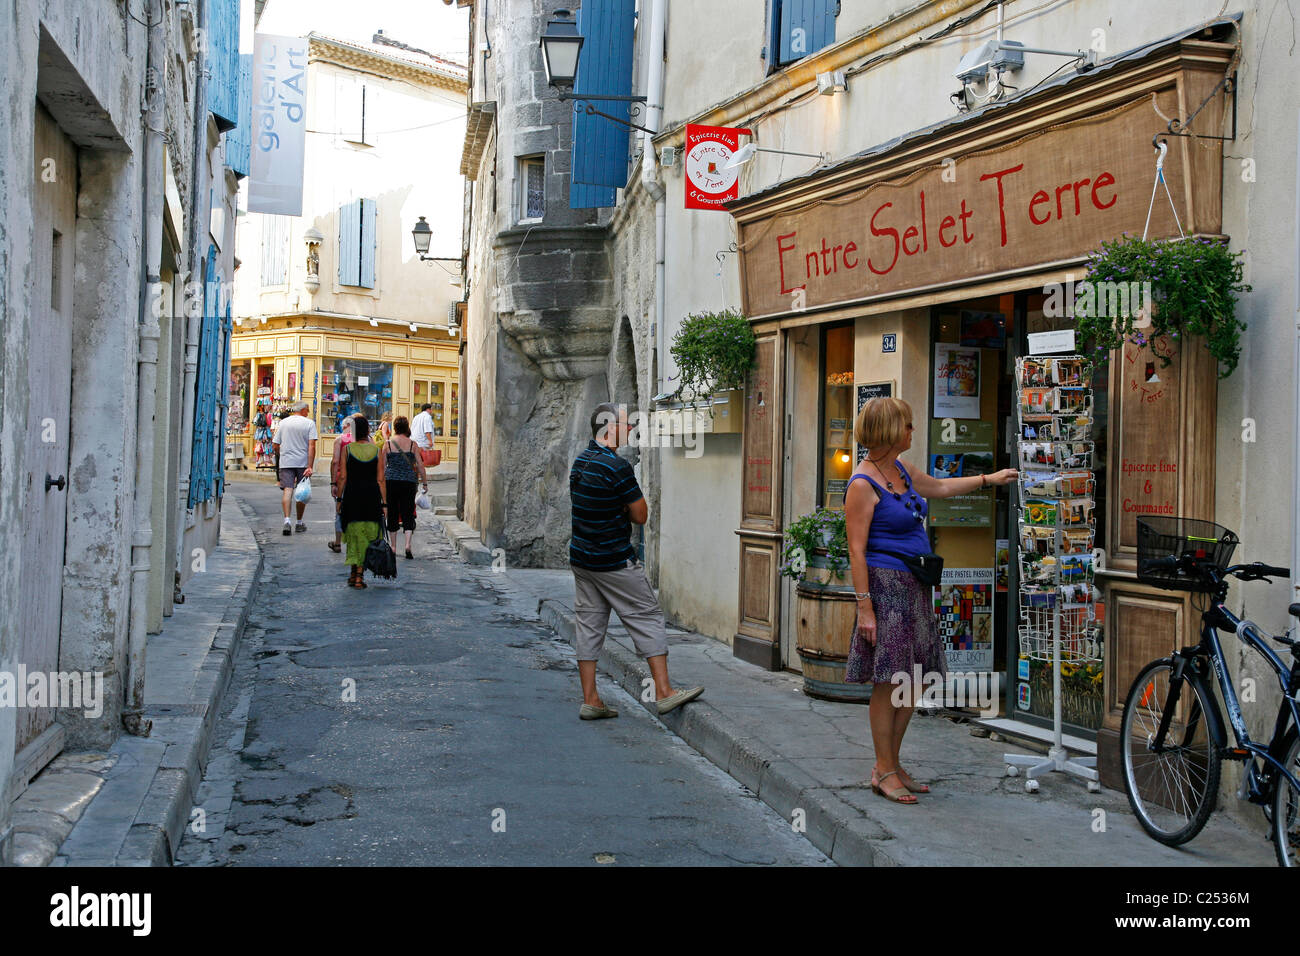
x: 590, y: 712
x: 287, y: 529
x: 300, y: 526
x: 673, y: 701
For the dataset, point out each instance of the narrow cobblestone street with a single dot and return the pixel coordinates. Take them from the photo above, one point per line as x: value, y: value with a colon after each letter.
x: 465, y: 708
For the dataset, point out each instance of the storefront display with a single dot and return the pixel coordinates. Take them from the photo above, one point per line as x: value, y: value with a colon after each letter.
x: 1059, y: 633
x: 837, y: 416
x: 349, y: 386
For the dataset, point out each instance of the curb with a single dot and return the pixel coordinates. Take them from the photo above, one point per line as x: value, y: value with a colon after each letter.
x: 465, y: 541
x: 164, y: 812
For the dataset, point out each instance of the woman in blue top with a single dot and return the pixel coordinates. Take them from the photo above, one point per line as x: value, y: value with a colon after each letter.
x: 895, y: 623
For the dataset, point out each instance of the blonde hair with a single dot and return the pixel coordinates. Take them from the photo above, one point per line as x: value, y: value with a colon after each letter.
x: 882, y: 422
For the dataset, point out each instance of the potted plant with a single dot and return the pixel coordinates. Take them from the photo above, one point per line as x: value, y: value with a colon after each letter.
x: 714, y: 352
x: 1194, y: 284
x: 817, y: 540
x: 816, y: 555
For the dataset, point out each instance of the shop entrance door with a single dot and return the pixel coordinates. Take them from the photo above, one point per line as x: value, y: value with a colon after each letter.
x: 49, y: 387
x: 967, y: 433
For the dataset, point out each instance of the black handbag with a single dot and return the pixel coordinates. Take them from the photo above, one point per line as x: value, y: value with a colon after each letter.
x: 381, y: 559
x: 926, y: 568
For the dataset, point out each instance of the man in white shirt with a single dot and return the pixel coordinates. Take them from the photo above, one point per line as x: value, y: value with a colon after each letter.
x: 422, y: 428
x: 295, y: 444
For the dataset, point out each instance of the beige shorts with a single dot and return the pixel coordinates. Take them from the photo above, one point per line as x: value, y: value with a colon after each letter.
x: 627, y: 592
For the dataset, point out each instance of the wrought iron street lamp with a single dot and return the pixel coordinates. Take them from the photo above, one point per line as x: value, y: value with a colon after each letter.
x: 422, y: 233
x: 561, y: 46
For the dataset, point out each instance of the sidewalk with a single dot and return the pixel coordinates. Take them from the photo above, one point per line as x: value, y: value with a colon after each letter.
x: 798, y: 752
x: 129, y: 806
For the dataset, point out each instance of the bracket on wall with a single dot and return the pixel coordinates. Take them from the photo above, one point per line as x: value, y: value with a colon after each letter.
x: 582, y: 102
x: 1229, y: 85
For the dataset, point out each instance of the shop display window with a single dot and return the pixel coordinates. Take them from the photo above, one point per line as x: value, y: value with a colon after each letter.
x: 349, y: 386
x: 436, y: 394
x: 237, y: 402
x: 837, y: 415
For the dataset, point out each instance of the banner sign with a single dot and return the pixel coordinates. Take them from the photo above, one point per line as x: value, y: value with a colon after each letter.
x: 279, y: 125
x: 709, y: 184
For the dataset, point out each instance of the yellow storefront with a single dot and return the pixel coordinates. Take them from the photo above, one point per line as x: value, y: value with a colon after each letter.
x: 338, y: 371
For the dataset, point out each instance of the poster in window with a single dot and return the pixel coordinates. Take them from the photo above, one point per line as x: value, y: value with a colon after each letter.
x: 866, y: 392
x: 956, y: 382
x: 963, y: 605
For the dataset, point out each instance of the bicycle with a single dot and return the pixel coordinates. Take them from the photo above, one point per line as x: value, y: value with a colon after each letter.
x: 1172, y: 737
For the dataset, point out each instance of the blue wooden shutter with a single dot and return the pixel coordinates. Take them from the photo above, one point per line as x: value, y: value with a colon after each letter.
x: 350, y: 243
x: 806, y: 26
x: 222, y: 62
x: 205, y: 388
x: 600, y: 147
x: 369, y: 238
x: 239, y: 141
x: 223, y: 404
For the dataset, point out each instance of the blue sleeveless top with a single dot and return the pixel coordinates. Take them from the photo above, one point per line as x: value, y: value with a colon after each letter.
x: 894, y: 526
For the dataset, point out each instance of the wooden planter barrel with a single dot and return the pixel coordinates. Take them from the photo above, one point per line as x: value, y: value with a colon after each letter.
x: 826, y: 610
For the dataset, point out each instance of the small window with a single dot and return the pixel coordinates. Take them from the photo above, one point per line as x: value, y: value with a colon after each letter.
x: 798, y: 28
x: 532, y: 189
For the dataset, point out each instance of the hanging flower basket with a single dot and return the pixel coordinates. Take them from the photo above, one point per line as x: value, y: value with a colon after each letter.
x: 1189, y: 286
x: 714, y: 352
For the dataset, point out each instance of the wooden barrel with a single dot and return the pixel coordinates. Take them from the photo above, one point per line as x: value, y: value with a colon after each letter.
x: 826, y: 611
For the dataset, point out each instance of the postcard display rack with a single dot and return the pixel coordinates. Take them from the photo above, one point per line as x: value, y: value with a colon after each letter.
x: 1057, y: 528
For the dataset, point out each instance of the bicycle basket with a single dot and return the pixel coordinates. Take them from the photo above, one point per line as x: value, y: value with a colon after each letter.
x: 1165, y: 537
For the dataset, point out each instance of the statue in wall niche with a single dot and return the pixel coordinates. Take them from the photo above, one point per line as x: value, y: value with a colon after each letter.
x: 313, y: 261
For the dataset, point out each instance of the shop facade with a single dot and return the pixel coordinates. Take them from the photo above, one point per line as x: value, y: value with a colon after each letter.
x: 944, y: 251
x: 338, y: 371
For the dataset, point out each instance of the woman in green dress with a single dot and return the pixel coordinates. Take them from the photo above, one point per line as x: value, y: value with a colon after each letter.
x: 362, y: 492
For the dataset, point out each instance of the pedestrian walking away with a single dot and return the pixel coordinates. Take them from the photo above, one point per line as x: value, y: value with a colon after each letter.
x: 295, y: 449
x: 385, y: 427
x: 895, y: 630
x: 422, y: 429
x: 336, y: 466
x: 403, y: 470
x: 605, y: 501
x: 363, y: 495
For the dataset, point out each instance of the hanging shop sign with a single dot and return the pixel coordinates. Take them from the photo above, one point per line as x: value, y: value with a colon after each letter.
x: 709, y: 184
x: 1046, y: 197
x: 279, y: 125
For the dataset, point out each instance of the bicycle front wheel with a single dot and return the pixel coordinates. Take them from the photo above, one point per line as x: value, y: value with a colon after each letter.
x: 1172, y: 792
x: 1286, y: 809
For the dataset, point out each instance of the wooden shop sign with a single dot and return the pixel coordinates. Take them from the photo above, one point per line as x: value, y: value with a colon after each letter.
x: 1048, y: 196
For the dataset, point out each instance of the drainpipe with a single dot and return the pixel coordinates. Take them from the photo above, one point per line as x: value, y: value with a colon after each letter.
x: 650, y: 181
x: 650, y: 170
x: 147, y: 377
x: 194, y: 323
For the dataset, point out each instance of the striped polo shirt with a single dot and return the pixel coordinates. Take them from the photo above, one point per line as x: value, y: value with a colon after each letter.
x: 600, y: 484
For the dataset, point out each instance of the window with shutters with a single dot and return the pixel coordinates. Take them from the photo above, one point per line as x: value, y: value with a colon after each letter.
x: 798, y: 28
x: 530, y: 199
x: 357, y: 243
x: 275, y: 250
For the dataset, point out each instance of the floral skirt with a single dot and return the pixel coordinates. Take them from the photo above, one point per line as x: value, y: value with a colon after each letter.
x: 357, y: 536
x: 906, y: 631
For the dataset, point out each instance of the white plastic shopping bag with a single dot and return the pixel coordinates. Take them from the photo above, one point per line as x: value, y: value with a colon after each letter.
x: 302, y: 491
x: 422, y: 501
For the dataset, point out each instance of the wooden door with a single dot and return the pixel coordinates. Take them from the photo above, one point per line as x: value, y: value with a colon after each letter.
x: 49, y: 387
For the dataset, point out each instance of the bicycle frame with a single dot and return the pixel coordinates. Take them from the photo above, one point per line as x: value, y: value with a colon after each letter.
x: 1216, y: 618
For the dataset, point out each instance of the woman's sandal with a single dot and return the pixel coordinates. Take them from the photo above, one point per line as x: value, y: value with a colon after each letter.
x: 900, y: 795
x: 914, y: 787
x: 333, y: 546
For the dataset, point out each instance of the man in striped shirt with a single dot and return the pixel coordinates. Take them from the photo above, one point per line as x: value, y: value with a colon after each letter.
x: 606, y: 500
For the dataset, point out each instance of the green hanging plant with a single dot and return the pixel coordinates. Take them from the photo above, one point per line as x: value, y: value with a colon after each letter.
x: 714, y: 351
x: 1191, y: 284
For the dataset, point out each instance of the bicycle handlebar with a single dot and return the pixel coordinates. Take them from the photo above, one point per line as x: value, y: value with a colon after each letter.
x: 1190, y: 565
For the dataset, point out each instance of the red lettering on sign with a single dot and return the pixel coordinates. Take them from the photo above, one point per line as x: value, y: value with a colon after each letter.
x: 883, y: 232
x: 850, y: 247
x: 944, y: 224
x: 781, y: 250
x: 1039, y: 197
x: 1002, y: 213
x: 1105, y: 179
